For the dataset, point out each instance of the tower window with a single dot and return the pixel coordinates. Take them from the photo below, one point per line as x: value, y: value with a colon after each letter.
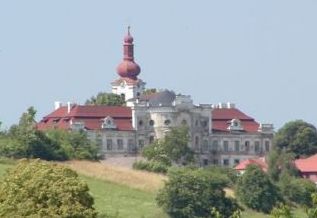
x: 141, y: 123
x: 167, y: 122
x: 151, y: 122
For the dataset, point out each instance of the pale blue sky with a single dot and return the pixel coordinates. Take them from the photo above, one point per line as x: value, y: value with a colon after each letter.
x: 261, y: 55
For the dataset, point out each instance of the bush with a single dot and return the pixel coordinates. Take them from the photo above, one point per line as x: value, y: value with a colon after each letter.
x: 38, y: 189
x: 256, y: 190
x: 173, y: 148
x: 196, y: 193
x: 282, y: 211
x: 311, y: 212
x: 298, y: 190
x: 74, y: 144
x: 151, y: 166
x: 230, y: 173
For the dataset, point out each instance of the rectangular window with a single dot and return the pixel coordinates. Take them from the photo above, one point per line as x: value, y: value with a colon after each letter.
x: 131, y: 142
x: 131, y: 145
x: 236, y: 161
x: 141, y: 143
x: 225, y: 146
x: 205, y: 145
x: 247, y: 146
x: 267, y: 146
x: 215, y: 162
x: 214, y: 145
x: 120, y: 144
x: 205, y: 161
x: 237, y: 146
x: 256, y: 146
x: 226, y: 162
x: 109, y: 144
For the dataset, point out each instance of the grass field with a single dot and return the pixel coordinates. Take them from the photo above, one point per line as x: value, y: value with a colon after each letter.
x: 126, y: 192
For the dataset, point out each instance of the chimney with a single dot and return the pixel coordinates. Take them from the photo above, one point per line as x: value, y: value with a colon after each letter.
x: 230, y: 105
x: 69, y: 106
x: 57, y: 104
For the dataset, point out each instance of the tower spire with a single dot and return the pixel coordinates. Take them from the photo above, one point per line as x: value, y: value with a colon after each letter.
x: 128, y: 46
x: 128, y: 68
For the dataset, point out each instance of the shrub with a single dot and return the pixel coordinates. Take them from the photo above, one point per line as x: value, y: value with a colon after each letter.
x: 282, y: 211
x: 173, y: 148
x: 311, y: 212
x: 230, y: 173
x: 298, y: 190
x: 256, y: 190
x: 38, y: 189
x: 151, y: 166
x: 196, y: 193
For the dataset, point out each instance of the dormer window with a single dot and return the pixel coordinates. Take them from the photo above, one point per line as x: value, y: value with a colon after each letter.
x: 77, y: 125
x: 235, y: 125
x: 108, y: 123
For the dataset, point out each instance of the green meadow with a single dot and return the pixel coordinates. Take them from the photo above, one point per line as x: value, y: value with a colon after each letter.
x: 128, y: 202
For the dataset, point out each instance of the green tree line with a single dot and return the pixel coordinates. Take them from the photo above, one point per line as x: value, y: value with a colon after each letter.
x: 24, y: 140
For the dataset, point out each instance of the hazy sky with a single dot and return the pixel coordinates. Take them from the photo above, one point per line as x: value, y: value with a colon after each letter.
x: 261, y: 55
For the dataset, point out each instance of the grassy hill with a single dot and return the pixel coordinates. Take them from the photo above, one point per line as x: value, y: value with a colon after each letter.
x: 126, y: 192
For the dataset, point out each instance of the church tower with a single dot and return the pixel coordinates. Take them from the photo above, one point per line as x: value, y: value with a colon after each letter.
x: 128, y: 83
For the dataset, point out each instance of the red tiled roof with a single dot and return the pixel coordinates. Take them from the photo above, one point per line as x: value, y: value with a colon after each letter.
x: 221, y: 118
x: 307, y: 164
x: 90, y: 115
x: 257, y: 161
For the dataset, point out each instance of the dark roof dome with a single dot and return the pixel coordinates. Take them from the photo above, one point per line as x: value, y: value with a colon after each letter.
x: 162, y: 98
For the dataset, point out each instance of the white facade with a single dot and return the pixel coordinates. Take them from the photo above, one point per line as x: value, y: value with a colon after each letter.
x: 153, y: 118
x: 128, y: 90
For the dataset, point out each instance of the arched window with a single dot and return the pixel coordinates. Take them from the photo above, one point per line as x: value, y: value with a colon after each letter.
x: 167, y: 122
x: 151, y: 139
x: 151, y: 123
x: 140, y: 123
x: 196, y: 141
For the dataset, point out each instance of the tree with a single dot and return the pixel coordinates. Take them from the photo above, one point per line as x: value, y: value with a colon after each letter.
x: 75, y: 144
x: 196, y: 193
x: 298, y: 137
x: 281, y: 164
x: 24, y: 140
x: 256, y: 190
x: 312, y: 211
x: 38, y: 189
x: 173, y: 148
x: 149, y: 91
x: 297, y: 190
x: 282, y: 211
x: 109, y: 99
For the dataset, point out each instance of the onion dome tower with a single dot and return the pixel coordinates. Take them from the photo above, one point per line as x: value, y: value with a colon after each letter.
x: 128, y: 68
x: 128, y: 83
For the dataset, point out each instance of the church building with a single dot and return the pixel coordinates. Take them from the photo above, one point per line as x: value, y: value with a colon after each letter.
x: 220, y: 134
